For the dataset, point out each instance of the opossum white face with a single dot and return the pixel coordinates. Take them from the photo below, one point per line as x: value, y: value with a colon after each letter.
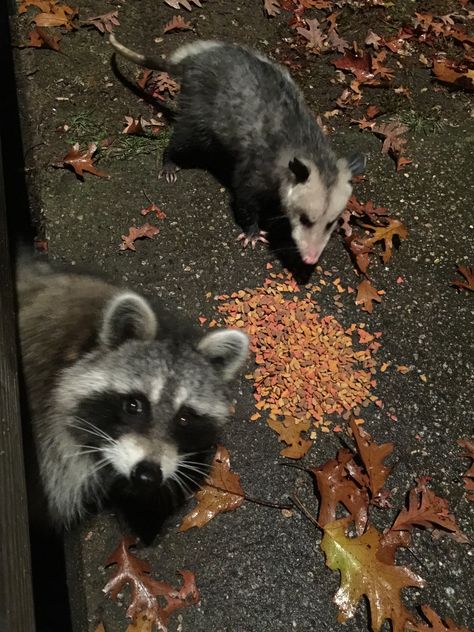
x: 313, y: 207
x: 143, y: 410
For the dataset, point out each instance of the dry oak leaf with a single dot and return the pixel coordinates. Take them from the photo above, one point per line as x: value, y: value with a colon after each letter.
x: 335, y: 485
x: 104, y: 23
x: 364, y: 573
x: 468, y: 273
x: 313, y: 34
x: 221, y: 492
x: 43, y: 5
x: 468, y: 476
x: 39, y: 38
x: 82, y: 161
x: 177, y: 4
x: 459, y: 74
x: 177, y: 23
x: 58, y: 15
x: 100, y: 628
x: 391, y: 133
x: 272, y: 7
x: 164, y: 83
x: 436, y: 624
x: 290, y: 433
x: 134, y: 233
x: 394, y: 228
x: 427, y: 510
x: 359, y: 65
x: 366, y: 294
x: 372, y: 456
x: 134, y: 125
x: 144, y: 589
x: 153, y: 209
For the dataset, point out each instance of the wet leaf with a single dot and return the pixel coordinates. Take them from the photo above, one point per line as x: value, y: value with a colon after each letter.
x: 177, y: 23
x: 186, y: 4
x: 359, y: 65
x: 290, y: 433
x: 134, y: 233
x: 373, y: 456
x: 39, y: 38
x: 58, y: 15
x: 221, y: 492
x: 394, y: 228
x: 366, y: 294
x: 43, y: 5
x: 468, y: 273
x: 81, y: 161
x: 459, y: 74
x: 134, y: 572
x: 364, y: 574
x: 271, y: 7
x: 435, y: 623
x: 104, y: 23
x: 159, y: 214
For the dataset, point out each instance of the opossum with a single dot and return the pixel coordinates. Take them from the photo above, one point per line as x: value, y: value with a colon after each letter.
x: 239, y: 108
x: 119, y: 407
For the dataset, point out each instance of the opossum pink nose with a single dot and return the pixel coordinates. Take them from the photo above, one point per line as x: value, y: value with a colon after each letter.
x: 311, y: 259
x: 147, y: 473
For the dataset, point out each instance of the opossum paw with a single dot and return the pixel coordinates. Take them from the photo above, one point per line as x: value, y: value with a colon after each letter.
x: 253, y: 238
x: 169, y: 172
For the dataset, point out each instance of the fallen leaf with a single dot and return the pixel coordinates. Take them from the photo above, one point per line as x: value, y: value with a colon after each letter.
x: 468, y: 273
x: 373, y: 39
x: 221, y: 492
x: 164, y: 83
x: 313, y: 34
x: 360, y: 249
x: 468, y: 476
x: 402, y: 161
x: 272, y: 7
x: 133, y: 125
x: 290, y: 433
x: 372, y: 456
x: 177, y: 4
x: 82, y: 161
x: 366, y: 294
x: 39, y: 38
x: 363, y: 573
x: 403, y: 369
x: 58, y: 15
x: 459, y: 74
x: 134, y: 572
x: 379, y: 69
x: 100, y: 628
x: 177, y: 23
x: 359, y: 65
x: 435, y: 623
x: 394, y: 228
x: 104, y: 23
x: 392, y: 132
x: 134, y: 233
x: 43, y: 5
x: 153, y: 209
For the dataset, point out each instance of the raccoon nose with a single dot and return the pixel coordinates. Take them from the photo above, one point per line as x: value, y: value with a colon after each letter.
x: 147, y: 473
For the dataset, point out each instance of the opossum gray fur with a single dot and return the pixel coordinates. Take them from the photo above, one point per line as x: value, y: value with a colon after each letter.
x: 115, y: 403
x: 238, y: 107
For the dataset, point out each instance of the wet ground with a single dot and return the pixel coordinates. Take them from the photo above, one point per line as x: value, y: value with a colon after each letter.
x: 258, y: 570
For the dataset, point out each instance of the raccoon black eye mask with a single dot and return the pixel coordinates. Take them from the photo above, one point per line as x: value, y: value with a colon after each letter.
x: 115, y: 403
x: 239, y: 109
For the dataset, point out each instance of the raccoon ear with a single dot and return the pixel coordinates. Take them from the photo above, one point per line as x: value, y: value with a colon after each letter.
x: 299, y: 169
x: 357, y: 163
x: 226, y: 350
x: 127, y: 316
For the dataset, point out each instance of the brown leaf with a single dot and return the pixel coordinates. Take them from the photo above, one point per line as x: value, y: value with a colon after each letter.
x: 459, y: 74
x: 221, y: 492
x: 394, y: 228
x: 359, y: 249
x: 177, y: 23
x: 379, y: 68
x: 392, y: 132
x: 164, y: 83
x: 271, y: 7
x: 316, y: 38
x: 134, y: 572
x: 290, y: 433
x: 359, y: 65
x: 468, y: 476
x: 402, y: 161
x: 468, y: 273
x: 134, y: 233
x: 58, y: 15
x: 336, y: 486
x: 177, y: 4
x: 134, y: 125
x: 427, y: 510
x: 153, y: 209
x: 39, y: 38
x: 373, y: 39
x: 372, y: 456
x: 366, y: 294
x: 435, y: 623
x: 82, y: 162
x: 336, y: 42
x: 43, y: 5
x: 100, y: 628
x: 104, y: 23
x: 144, y: 78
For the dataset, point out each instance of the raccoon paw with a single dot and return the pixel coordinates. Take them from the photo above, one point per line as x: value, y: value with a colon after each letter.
x: 169, y: 171
x: 253, y: 238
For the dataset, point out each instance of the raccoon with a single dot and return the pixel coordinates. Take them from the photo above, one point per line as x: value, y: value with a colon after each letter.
x: 121, y: 408
x: 238, y: 108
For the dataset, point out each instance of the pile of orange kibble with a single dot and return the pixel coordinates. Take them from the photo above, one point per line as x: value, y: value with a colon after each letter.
x: 308, y: 366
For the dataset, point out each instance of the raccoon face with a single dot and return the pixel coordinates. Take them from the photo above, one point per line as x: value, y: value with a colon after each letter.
x: 146, y: 411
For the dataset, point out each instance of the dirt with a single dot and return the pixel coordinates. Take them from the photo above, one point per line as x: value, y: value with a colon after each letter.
x: 257, y: 569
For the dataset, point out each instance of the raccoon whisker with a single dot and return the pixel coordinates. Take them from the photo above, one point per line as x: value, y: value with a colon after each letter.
x: 191, y: 468
x: 81, y: 452
x: 99, y: 465
x: 181, y: 484
x: 185, y: 454
x: 187, y: 476
x: 92, y: 429
x: 199, y: 464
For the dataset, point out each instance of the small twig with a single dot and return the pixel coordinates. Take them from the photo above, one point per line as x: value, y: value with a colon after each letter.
x: 252, y: 499
x: 297, y: 467
x: 297, y: 502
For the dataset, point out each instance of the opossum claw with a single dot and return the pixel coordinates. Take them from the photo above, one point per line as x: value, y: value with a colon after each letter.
x: 253, y: 239
x: 169, y: 171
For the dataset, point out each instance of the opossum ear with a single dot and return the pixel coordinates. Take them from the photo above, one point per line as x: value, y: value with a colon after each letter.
x: 127, y: 316
x: 357, y: 163
x: 300, y: 170
x: 226, y: 350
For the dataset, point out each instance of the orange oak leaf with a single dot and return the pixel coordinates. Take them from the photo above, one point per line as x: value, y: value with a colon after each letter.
x: 43, y: 5
x: 82, y: 161
x: 177, y: 4
x: 366, y: 294
x: 155, y: 600
x: 379, y: 68
x: 39, y: 38
x: 363, y: 573
x: 177, y: 23
x: 153, y: 209
x: 272, y: 7
x: 164, y: 83
x: 134, y: 233
x: 468, y: 476
x: 392, y: 132
x: 427, y: 510
x: 290, y: 433
x: 359, y: 65
x: 402, y: 161
x: 394, y: 228
x: 58, y: 15
x: 359, y: 249
x: 104, y: 23
x: 335, y: 485
x: 468, y: 273
x: 221, y: 492
x: 372, y: 456
x: 435, y: 623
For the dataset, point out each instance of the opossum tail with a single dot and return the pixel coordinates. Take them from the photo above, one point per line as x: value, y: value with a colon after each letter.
x: 154, y: 63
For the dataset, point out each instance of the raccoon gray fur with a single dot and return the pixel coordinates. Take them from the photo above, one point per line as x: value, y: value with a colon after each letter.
x: 237, y: 107
x: 118, y: 407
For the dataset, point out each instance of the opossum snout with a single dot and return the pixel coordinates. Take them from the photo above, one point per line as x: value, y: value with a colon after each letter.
x: 146, y: 474
x: 311, y: 259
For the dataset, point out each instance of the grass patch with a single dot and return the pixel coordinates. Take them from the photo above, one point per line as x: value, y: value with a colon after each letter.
x: 421, y: 123
x: 127, y: 146
x: 83, y: 128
